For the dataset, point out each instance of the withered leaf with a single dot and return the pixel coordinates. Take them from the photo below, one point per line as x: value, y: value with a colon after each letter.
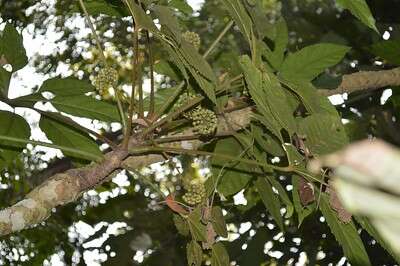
x: 335, y: 203
x: 306, y: 192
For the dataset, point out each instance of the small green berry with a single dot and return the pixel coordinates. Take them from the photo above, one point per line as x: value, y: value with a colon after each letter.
x: 106, y: 78
x: 192, y: 38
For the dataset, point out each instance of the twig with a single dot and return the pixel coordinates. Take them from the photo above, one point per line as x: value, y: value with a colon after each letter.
x: 135, y: 62
x: 151, y: 64
x: 97, y: 39
x: 218, y: 39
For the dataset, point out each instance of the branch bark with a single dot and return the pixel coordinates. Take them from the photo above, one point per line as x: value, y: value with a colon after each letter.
x: 66, y: 187
x: 366, y: 80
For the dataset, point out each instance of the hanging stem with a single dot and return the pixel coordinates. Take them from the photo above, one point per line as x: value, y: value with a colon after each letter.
x: 103, y: 58
x: 151, y: 64
x: 121, y: 110
x: 135, y: 61
x: 96, y: 37
x: 140, y: 86
x: 218, y: 39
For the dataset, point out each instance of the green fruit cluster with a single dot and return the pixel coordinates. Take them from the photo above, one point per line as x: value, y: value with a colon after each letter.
x: 204, y: 121
x: 106, y: 78
x: 195, y: 194
x: 192, y: 38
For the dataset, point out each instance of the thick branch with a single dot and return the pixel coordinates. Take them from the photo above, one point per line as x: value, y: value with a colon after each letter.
x: 66, y: 187
x: 366, y: 80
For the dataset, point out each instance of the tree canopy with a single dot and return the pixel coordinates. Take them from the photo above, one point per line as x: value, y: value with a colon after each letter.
x: 226, y: 135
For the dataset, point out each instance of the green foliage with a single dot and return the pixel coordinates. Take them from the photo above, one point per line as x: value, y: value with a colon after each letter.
x: 291, y: 123
x: 388, y: 50
x: 12, y: 125
x: 346, y: 235
x: 194, y: 253
x: 218, y: 221
x: 219, y: 255
x: 66, y: 86
x: 243, y: 21
x: 270, y: 199
x: 232, y: 176
x: 64, y: 135
x: 317, y: 125
x: 5, y: 77
x: 310, y: 61
x: 12, y: 48
x: 86, y: 106
x: 360, y: 9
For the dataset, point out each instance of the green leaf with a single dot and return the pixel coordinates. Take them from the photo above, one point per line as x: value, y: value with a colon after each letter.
x: 387, y: 50
x: 235, y: 175
x: 269, y: 143
x: 181, y: 225
x: 305, y: 91
x: 281, y: 38
x: 283, y: 196
x: 196, y: 61
x: 66, y: 86
x: 5, y: 77
x: 219, y: 255
x: 97, y: 7
x: 15, y: 126
x: 240, y: 16
x: 270, y: 200
x: 64, y: 135
x: 85, y: 106
x: 182, y: 6
x: 271, y: 100
x: 197, y: 229
x: 207, y: 87
x: 360, y: 9
x: 194, y: 253
x: 12, y: 48
x: 175, y: 58
x: 218, y: 221
x: 324, y: 133
x: 169, y: 22
x: 160, y: 97
x: 346, y: 235
x: 140, y: 17
x: 311, y: 61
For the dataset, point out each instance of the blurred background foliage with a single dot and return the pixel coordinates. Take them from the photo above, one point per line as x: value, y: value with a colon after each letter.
x: 125, y: 218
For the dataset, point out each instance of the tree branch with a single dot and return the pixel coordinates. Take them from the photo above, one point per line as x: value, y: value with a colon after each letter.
x: 366, y: 80
x: 68, y: 186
